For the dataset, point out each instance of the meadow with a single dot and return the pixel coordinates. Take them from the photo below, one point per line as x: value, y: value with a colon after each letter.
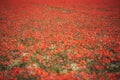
x: 60, y: 40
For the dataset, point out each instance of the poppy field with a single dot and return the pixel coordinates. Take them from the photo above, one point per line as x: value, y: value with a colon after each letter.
x: 59, y: 40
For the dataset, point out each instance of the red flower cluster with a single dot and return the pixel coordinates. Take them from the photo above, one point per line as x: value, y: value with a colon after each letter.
x: 59, y: 40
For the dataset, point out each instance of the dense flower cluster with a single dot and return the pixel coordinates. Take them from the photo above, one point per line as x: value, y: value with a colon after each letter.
x: 48, y: 41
